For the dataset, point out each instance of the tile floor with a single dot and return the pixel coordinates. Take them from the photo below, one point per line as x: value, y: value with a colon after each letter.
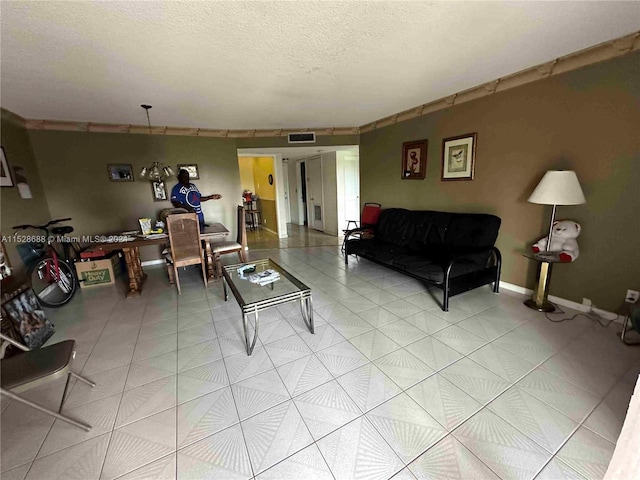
x: 389, y: 385
x: 298, y: 236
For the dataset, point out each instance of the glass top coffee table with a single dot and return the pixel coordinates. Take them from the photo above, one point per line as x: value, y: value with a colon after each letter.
x: 253, y: 297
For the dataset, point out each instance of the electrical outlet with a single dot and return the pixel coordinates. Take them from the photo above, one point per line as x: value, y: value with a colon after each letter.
x: 632, y: 296
x: 586, y: 302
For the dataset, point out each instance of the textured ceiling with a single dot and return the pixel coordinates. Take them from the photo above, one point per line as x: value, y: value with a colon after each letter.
x: 243, y: 65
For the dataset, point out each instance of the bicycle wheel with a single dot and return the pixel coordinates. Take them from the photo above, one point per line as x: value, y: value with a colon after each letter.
x: 53, y: 287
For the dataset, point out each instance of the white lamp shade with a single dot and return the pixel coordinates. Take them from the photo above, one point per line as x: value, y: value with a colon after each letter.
x: 558, y: 187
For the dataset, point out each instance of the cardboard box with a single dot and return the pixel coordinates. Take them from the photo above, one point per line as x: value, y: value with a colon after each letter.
x: 98, y: 272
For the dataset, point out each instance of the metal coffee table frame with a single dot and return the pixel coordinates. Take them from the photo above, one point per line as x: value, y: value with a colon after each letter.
x: 303, y: 295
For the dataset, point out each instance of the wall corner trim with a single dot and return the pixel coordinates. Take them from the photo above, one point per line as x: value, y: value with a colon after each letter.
x: 14, y: 118
x: 589, y: 56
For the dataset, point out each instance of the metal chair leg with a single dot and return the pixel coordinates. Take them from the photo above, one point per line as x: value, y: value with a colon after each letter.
x: 66, y: 386
x: 64, y: 393
x: 40, y: 408
x: 82, y: 379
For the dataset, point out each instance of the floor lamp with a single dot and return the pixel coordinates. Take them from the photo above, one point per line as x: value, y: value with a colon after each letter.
x: 557, y: 187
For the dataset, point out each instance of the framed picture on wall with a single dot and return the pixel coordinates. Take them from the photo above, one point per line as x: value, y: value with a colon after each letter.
x: 458, y: 157
x: 122, y: 172
x: 414, y: 160
x: 5, y: 173
x: 159, y: 191
x: 192, y: 168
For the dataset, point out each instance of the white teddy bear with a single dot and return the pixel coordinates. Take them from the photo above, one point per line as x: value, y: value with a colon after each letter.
x: 563, y: 240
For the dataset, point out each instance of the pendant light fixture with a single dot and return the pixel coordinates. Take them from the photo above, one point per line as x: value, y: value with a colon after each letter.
x: 156, y: 171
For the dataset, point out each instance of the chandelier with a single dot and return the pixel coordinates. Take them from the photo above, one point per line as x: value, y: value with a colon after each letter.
x: 156, y: 171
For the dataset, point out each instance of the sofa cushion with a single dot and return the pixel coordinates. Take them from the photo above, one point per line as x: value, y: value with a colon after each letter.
x: 371, y: 248
x: 433, y: 272
x: 416, y: 265
x: 406, y: 228
x: 395, y: 227
x: 472, y: 230
x: 426, y: 231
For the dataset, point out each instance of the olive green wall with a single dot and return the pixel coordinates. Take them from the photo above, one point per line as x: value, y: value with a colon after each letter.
x: 587, y: 120
x: 13, y: 209
x: 74, y: 165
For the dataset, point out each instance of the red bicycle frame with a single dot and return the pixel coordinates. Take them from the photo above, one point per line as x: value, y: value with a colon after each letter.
x: 55, y: 275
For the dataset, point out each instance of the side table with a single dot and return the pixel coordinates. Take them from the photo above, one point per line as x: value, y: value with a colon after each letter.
x: 539, y: 299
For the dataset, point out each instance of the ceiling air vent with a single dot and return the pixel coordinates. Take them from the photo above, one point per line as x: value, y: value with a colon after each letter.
x: 302, y: 137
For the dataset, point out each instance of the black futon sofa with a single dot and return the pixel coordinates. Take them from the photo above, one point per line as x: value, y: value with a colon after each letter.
x: 452, y: 251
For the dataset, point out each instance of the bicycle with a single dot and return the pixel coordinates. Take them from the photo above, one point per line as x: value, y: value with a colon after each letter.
x: 52, y: 277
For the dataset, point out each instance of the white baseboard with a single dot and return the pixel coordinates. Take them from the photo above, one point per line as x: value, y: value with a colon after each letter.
x: 269, y: 230
x: 565, y: 303
x: 153, y: 262
x: 515, y: 288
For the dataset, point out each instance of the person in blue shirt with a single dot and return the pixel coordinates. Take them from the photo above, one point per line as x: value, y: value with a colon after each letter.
x: 186, y: 195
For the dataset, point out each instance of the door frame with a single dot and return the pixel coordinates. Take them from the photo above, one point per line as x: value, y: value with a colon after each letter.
x: 287, y: 190
x: 281, y: 204
x: 343, y: 216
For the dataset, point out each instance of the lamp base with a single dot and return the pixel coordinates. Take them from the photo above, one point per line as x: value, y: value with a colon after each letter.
x: 545, y: 306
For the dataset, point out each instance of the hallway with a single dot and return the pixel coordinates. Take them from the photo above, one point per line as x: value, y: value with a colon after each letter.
x: 298, y: 236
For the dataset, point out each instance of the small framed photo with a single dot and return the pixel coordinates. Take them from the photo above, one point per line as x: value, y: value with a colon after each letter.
x: 159, y: 191
x: 414, y: 160
x: 192, y: 168
x: 122, y: 172
x: 29, y: 319
x: 458, y: 157
x: 5, y: 173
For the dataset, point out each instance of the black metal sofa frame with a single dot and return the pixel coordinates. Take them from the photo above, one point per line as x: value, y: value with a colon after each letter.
x: 451, y: 251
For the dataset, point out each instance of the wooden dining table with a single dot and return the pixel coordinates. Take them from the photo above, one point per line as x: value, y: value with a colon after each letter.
x: 131, y: 250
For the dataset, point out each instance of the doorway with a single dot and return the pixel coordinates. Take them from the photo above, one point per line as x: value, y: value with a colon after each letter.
x: 315, y: 205
x: 303, y: 192
x: 349, y: 194
x: 285, y: 178
x: 327, y: 174
x: 258, y: 181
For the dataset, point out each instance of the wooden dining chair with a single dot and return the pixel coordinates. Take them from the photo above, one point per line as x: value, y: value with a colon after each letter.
x: 239, y: 246
x: 185, y: 244
x: 30, y: 368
